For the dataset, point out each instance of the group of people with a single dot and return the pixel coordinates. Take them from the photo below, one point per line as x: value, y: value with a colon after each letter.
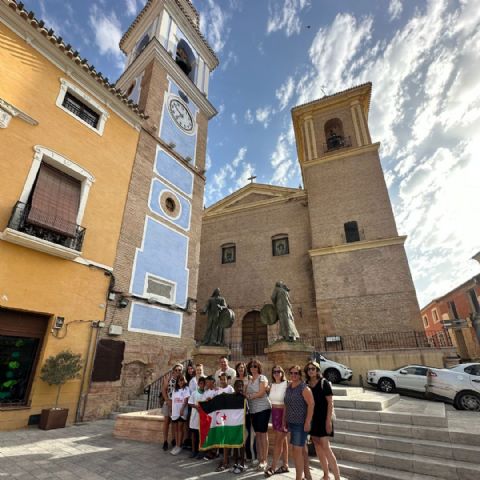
x: 298, y: 407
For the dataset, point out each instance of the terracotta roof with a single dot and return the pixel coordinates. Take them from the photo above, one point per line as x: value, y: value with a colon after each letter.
x: 67, y: 49
x: 368, y: 84
x: 192, y: 23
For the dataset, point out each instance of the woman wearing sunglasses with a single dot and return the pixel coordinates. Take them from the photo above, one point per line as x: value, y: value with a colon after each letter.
x: 260, y: 408
x: 299, y: 406
x: 322, y: 426
x: 277, y: 397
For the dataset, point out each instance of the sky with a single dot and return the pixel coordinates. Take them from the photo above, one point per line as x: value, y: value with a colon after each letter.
x: 422, y: 57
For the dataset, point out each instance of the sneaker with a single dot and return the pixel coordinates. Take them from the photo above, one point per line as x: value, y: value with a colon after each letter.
x: 165, y: 446
x: 176, y: 450
x: 255, y: 462
x: 231, y: 469
x: 238, y: 469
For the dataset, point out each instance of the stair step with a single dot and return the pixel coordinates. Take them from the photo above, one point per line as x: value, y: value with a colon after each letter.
x: 367, y: 401
x: 358, y: 471
x: 446, y: 450
x: 439, y: 467
x: 138, y: 403
x: 343, y: 391
x: 438, y: 419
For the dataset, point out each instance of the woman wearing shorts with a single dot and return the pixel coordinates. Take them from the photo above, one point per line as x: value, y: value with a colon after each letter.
x: 299, y: 406
x: 260, y: 408
x: 179, y: 412
x: 277, y: 396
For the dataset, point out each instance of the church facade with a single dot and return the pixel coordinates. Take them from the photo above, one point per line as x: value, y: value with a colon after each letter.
x: 334, y: 243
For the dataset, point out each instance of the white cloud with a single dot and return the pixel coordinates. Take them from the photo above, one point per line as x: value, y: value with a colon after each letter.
x: 214, y: 25
x: 249, y: 117
x: 134, y: 6
x: 243, y: 179
x: 240, y: 156
x: 108, y: 32
x: 231, y: 58
x: 234, y: 118
x: 208, y: 162
x: 282, y: 160
x: 395, y: 9
x: 286, y: 17
x: 285, y: 92
x: 262, y: 115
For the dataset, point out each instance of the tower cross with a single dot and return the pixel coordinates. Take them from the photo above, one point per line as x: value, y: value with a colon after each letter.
x: 252, y: 178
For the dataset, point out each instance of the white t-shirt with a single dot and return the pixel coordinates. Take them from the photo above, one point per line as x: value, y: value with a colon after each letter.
x: 277, y: 392
x: 192, y: 384
x: 230, y: 373
x: 178, y: 399
x: 227, y: 389
x: 209, y: 394
x: 195, y: 397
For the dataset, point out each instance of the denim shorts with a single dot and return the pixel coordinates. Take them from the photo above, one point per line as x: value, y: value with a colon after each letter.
x: 298, y: 436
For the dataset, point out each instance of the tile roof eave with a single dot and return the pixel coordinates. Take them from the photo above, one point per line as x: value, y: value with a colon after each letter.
x: 73, y: 55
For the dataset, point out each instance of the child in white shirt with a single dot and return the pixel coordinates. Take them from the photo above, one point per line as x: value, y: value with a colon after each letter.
x: 197, y: 396
x: 179, y: 411
x: 224, y: 387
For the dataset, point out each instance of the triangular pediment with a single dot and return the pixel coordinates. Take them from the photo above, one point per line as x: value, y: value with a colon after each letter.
x: 252, y: 195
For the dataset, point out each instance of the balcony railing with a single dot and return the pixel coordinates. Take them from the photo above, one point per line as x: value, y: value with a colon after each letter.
x: 336, y: 142
x: 19, y: 221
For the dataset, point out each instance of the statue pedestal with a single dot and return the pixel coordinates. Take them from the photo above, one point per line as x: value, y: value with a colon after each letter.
x: 287, y: 354
x: 208, y: 355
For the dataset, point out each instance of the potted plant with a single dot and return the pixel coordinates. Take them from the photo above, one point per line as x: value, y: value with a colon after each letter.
x: 57, y: 370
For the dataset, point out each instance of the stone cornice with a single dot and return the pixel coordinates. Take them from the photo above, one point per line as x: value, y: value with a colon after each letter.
x: 254, y: 205
x: 342, y: 153
x: 355, y: 246
x: 155, y: 50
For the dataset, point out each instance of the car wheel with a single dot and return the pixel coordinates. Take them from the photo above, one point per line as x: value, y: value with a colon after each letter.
x: 386, y: 385
x: 332, y: 375
x: 468, y: 401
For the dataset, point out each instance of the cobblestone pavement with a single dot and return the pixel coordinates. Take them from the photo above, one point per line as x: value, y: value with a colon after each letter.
x: 89, y: 451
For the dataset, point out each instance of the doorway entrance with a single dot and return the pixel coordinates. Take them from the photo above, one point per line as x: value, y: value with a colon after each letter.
x: 21, y: 337
x: 254, y: 335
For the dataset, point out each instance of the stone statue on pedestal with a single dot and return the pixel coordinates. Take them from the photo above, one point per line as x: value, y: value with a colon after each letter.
x: 220, y: 317
x: 281, y: 301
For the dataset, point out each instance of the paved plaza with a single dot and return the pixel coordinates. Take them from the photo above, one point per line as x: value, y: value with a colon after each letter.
x: 89, y: 451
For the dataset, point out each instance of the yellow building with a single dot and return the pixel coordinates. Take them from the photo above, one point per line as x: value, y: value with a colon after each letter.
x: 67, y: 144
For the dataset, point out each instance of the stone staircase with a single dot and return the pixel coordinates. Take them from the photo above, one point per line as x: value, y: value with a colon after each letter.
x: 137, y: 405
x: 388, y: 437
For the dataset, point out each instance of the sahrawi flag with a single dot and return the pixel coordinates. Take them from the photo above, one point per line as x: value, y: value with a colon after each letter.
x: 222, y: 421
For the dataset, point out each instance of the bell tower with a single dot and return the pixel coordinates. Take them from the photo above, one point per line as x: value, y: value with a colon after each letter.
x: 151, y: 307
x: 361, y: 274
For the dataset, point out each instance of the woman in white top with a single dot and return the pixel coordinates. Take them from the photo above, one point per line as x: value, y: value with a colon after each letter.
x: 277, y: 395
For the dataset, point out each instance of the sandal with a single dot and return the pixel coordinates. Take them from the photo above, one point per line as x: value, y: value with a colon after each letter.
x: 269, y: 472
x: 282, y: 469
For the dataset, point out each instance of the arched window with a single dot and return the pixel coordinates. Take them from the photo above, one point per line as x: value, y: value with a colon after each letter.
x: 254, y: 335
x: 351, y: 232
x: 185, y: 59
x: 334, y: 134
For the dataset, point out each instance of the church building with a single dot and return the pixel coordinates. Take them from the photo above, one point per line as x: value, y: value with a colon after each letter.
x: 334, y: 243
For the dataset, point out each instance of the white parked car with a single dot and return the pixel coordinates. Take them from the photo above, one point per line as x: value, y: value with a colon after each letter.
x: 409, y: 377
x: 334, y: 372
x: 459, y: 385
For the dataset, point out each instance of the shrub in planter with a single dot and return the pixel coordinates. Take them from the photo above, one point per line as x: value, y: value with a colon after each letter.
x: 57, y: 370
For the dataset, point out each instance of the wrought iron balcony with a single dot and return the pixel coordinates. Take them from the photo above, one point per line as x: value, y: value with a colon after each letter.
x: 336, y: 142
x: 19, y: 221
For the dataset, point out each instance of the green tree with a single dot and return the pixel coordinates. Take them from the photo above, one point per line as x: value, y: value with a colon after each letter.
x: 58, y: 369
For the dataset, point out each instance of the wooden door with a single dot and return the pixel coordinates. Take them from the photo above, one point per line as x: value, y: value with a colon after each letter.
x: 254, y: 335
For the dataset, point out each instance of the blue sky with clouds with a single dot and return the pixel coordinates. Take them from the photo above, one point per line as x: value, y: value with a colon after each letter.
x: 422, y: 58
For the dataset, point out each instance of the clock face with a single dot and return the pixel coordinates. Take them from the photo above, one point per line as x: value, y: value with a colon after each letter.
x: 181, y: 115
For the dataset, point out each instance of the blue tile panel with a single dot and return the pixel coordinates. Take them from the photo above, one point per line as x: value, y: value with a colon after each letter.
x: 183, y: 221
x: 155, y: 320
x: 164, y: 254
x: 171, y: 170
x: 185, y: 143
